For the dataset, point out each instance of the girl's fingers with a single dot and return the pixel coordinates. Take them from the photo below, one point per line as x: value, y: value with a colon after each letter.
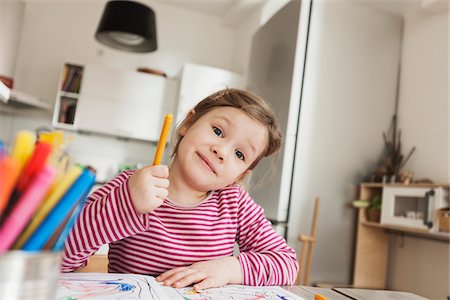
x: 205, y: 284
x: 161, y: 171
x: 161, y: 182
x: 189, y: 279
x: 169, y: 273
x: 178, y: 276
x: 161, y: 193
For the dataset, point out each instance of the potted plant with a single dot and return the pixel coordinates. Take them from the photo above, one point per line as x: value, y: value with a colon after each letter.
x: 374, y: 209
x: 393, y: 160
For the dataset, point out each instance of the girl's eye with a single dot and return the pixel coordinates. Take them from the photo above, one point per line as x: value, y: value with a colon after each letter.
x: 217, y: 131
x: 240, y: 155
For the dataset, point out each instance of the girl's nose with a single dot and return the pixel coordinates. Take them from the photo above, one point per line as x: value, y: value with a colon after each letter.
x: 218, y: 152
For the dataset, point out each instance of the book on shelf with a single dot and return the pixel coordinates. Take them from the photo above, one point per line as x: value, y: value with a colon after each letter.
x: 67, y: 110
x: 64, y: 77
x: 71, y: 82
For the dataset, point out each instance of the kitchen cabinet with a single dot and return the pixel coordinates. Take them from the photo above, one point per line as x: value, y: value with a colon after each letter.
x: 98, y: 99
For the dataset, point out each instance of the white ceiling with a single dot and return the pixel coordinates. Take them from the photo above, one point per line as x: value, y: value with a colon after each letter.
x: 233, y: 9
x: 399, y: 7
x: 228, y: 8
x: 212, y: 7
x: 230, y: 11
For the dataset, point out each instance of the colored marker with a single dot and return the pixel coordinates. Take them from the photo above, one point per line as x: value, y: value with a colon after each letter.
x: 2, y: 150
x: 9, y: 172
x: 56, y: 138
x: 59, y: 244
x: 23, y: 147
x: 61, y: 187
x: 27, y: 204
x: 54, y: 219
x: 32, y: 167
x: 35, y: 164
x: 163, y: 139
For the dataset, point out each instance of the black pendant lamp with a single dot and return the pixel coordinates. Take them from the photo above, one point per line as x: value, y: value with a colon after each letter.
x: 128, y: 26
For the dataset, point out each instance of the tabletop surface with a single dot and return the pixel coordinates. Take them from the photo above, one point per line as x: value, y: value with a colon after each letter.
x: 308, y: 293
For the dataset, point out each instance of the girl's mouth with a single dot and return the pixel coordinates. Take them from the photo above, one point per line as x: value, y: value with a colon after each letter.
x: 206, y: 163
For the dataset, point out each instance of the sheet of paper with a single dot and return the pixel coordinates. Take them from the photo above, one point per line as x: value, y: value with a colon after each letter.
x: 239, y: 292
x: 110, y: 286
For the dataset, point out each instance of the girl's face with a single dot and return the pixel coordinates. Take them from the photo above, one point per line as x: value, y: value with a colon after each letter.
x: 219, y: 148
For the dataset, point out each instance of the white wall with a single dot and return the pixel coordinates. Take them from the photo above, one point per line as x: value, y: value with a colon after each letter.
x: 424, y: 98
x: 11, y: 13
x: 418, y: 265
x: 348, y: 100
x: 243, y: 41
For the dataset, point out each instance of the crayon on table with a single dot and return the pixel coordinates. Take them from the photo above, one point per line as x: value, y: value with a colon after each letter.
x: 163, y: 139
x: 320, y: 297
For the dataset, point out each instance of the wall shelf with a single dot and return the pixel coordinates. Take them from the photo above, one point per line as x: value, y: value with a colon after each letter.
x: 440, y: 236
x: 369, y: 185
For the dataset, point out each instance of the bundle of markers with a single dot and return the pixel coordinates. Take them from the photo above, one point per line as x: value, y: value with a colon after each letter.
x: 41, y: 194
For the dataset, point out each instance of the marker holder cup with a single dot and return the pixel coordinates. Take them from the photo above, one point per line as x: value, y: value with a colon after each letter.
x: 29, y: 275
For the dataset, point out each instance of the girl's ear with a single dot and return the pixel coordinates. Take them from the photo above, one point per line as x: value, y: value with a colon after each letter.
x: 186, y: 122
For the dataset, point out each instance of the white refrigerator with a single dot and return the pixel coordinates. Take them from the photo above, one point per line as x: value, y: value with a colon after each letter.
x: 275, y: 73
x: 199, y: 81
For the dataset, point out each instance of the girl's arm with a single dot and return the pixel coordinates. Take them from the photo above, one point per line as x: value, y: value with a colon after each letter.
x: 109, y: 215
x: 265, y: 257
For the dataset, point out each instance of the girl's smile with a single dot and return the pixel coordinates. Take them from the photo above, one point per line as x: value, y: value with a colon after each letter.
x: 206, y: 163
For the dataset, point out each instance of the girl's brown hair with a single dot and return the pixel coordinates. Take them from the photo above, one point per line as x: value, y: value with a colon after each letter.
x: 252, y: 105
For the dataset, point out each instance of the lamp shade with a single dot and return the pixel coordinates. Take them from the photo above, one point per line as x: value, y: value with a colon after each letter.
x: 128, y: 26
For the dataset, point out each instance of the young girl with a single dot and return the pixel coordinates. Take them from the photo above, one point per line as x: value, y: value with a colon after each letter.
x: 184, y: 232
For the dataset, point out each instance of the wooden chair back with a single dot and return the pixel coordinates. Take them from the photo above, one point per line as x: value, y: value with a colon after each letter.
x: 306, y: 248
x: 98, y: 263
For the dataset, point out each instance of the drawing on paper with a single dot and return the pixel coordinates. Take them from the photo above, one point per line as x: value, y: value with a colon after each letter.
x: 110, y: 286
x: 73, y: 286
x: 238, y: 292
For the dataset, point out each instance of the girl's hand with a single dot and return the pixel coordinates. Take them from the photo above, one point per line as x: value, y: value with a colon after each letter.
x: 148, y: 187
x: 205, y: 274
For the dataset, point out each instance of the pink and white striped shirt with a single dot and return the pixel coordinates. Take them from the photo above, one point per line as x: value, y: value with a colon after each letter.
x: 173, y: 235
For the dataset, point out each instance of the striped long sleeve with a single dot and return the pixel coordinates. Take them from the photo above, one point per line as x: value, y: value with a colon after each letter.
x: 265, y: 257
x: 174, y: 235
x: 108, y: 216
